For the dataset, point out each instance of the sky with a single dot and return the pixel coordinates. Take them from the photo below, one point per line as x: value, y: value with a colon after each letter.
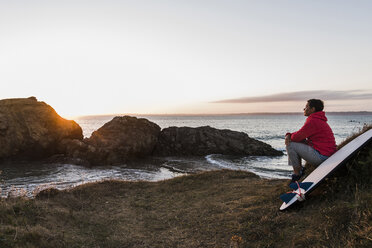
x: 187, y: 57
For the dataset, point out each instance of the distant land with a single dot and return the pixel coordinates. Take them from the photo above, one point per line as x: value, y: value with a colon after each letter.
x: 233, y: 114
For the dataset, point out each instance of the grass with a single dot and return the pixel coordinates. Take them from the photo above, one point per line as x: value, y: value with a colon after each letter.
x: 211, y: 209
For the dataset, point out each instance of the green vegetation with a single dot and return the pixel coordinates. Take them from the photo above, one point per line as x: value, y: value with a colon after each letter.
x: 212, y: 209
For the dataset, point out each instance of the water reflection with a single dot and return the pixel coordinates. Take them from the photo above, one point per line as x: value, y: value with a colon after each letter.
x: 30, y: 178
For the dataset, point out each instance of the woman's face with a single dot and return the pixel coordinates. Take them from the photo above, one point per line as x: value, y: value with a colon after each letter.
x: 307, y: 110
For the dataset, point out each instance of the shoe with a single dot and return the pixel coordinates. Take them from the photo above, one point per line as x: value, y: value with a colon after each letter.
x: 298, y: 177
x: 295, y: 178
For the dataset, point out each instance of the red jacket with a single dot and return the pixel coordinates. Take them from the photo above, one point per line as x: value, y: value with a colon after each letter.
x: 317, y: 133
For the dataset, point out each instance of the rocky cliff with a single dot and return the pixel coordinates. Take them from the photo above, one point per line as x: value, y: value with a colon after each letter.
x: 30, y: 129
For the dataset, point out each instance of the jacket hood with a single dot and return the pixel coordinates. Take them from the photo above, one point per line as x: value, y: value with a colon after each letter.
x: 319, y: 115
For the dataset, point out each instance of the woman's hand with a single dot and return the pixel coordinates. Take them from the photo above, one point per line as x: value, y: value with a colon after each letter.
x: 287, y: 139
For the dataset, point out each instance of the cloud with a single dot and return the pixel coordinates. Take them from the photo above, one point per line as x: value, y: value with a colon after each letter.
x: 325, y: 95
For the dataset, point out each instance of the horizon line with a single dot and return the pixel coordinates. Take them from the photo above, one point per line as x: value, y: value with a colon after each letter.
x: 221, y: 114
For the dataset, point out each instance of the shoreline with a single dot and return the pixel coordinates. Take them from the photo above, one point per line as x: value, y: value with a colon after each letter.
x: 65, y: 176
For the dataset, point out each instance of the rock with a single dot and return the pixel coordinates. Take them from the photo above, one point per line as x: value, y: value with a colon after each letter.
x: 122, y: 139
x: 75, y: 151
x: 206, y: 140
x: 30, y: 129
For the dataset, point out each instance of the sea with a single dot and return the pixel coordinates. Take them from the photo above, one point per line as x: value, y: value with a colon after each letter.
x: 28, y: 179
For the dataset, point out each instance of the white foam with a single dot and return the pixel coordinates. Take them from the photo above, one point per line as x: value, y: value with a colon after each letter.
x: 219, y: 163
x: 265, y: 167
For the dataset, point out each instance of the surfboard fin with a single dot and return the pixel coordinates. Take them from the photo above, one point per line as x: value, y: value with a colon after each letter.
x: 304, y: 186
x: 287, y: 197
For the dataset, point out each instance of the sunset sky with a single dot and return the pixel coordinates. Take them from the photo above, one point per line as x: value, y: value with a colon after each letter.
x: 170, y: 56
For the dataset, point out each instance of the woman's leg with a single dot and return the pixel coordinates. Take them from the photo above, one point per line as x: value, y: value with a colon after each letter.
x: 296, y: 151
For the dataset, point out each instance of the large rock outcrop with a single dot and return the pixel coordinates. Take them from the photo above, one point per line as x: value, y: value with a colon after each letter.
x: 30, y: 129
x: 121, y: 139
x: 207, y: 140
x: 33, y: 130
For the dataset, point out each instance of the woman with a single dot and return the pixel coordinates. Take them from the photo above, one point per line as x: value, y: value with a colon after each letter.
x: 314, y: 142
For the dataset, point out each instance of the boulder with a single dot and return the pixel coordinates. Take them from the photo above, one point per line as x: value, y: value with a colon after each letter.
x: 206, y: 140
x: 121, y: 139
x: 75, y: 151
x: 30, y: 129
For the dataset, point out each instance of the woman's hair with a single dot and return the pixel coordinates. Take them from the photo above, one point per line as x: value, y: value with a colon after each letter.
x: 317, y: 104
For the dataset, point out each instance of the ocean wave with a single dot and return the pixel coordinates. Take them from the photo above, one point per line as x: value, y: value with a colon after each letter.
x: 263, y: 166
x: 220, y: 163
x: 173, y: 168
x: 270, y: 137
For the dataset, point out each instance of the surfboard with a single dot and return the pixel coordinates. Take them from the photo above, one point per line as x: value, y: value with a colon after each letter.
x: 300, y: 189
